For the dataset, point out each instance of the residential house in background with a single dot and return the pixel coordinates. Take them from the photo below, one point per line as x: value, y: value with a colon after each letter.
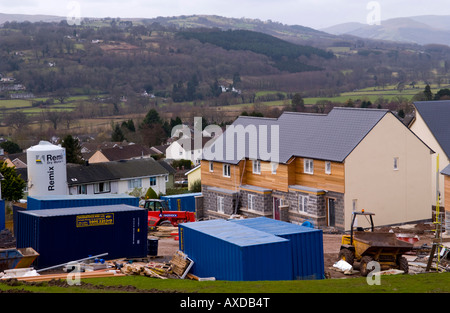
x: 128, y: 152
x: 117, y: 177
x: 18, y: 160
x: 88, y: 148
x: 170, y: 178
x: 326, y: 167
x: 193, y: 176
x: 431, y: 124
x: 159, y: 150
x: 185, y: 149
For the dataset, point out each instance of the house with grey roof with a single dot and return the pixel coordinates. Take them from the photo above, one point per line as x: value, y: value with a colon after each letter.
x: 117, y: 177
x: 318, y: 168
x: 431, y: 125
x: 121, y: 152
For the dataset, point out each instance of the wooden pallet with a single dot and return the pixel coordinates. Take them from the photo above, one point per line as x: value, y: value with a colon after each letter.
x: 93, y: 274
x: 179, y: 262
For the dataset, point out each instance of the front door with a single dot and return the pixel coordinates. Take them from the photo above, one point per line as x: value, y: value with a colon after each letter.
x: 276, y: 208
x: 331, y: 212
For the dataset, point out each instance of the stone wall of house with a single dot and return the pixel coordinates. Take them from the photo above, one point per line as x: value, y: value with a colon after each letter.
x: 210, y: 196
x: 339, y: 209
x: 315, y: 211
x: 262, y: 203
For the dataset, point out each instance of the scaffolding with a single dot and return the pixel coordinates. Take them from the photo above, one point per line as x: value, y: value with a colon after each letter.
x: 437, y: 241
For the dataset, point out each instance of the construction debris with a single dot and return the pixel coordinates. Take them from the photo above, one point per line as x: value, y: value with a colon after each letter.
x: 178, y: 267
x: 181, y: 264
x: 165, y: 231
x: 7, y: 239
x: 343, y: 267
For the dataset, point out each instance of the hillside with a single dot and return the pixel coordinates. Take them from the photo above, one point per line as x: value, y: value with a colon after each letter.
x: 127, y: 57
x: 421, y: 30
x: 284, y: 54
x: 19, y: 18
x: 293, y: 33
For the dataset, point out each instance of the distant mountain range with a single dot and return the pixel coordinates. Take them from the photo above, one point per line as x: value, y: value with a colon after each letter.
x: 423, y: 30
x: 30, y: 18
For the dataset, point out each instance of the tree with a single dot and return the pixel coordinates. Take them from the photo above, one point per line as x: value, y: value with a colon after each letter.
x: 54, y: 117
x: 12, y: 185
x: 73, y: 150
x: 117, y: 134
x: 129, y: 125
x: 151, y: 194
x: 17, y: 120
x: 297, y: 103
x: 442, y: 94
x: 10, y: 147
x: 152, y: 118
x: 428, y: 94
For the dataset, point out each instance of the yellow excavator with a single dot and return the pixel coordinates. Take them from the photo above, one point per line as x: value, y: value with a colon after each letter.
x: 364, y: 246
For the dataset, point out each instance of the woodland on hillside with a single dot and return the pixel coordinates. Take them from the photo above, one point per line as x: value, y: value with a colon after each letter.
x: 122, y: 68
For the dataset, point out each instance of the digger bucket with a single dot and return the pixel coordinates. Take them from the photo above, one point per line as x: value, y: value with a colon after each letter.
x: 370, y: 242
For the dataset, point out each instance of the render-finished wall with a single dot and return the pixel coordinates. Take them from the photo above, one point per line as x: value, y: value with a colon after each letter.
x: 395, y: 196
x: 420, y: 128
x: 160, y: 186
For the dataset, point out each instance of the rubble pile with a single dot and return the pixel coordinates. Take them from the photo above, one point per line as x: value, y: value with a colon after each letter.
x: 7, y: 239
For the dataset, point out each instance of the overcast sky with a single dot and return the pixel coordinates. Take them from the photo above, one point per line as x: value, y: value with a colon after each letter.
x: 312, y: 13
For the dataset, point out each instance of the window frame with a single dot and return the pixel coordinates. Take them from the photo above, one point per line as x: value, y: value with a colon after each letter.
x: 328, y: 167
x: 132, y: 183
x: 153, y: 179
x: 251, y: 202
x: 308, y: 166
x: 226, y: 170
x: 256, y: 166
x: 104, y: 190
x: 220, y: 204
x: 274, y: 167
x: 82, y: 189
x: 302, y: 203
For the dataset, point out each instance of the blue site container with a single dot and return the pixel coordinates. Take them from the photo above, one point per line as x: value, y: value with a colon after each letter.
x: 182, y: 202
x: 75, y: 201
x: 229, y: 251
x: 2, y: 215
x: 306, y: 245
x: 65, y: 235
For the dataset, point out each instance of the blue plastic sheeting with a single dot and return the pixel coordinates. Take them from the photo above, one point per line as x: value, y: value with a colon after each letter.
x: 2, y: 215
x: 74, y: 201
x: 306, y: 245
x: 182, y: 202
x: 64, y: 235
x: 228, y: 251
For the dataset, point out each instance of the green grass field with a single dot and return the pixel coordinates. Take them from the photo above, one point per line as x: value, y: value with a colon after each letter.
x: 420, y: 283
